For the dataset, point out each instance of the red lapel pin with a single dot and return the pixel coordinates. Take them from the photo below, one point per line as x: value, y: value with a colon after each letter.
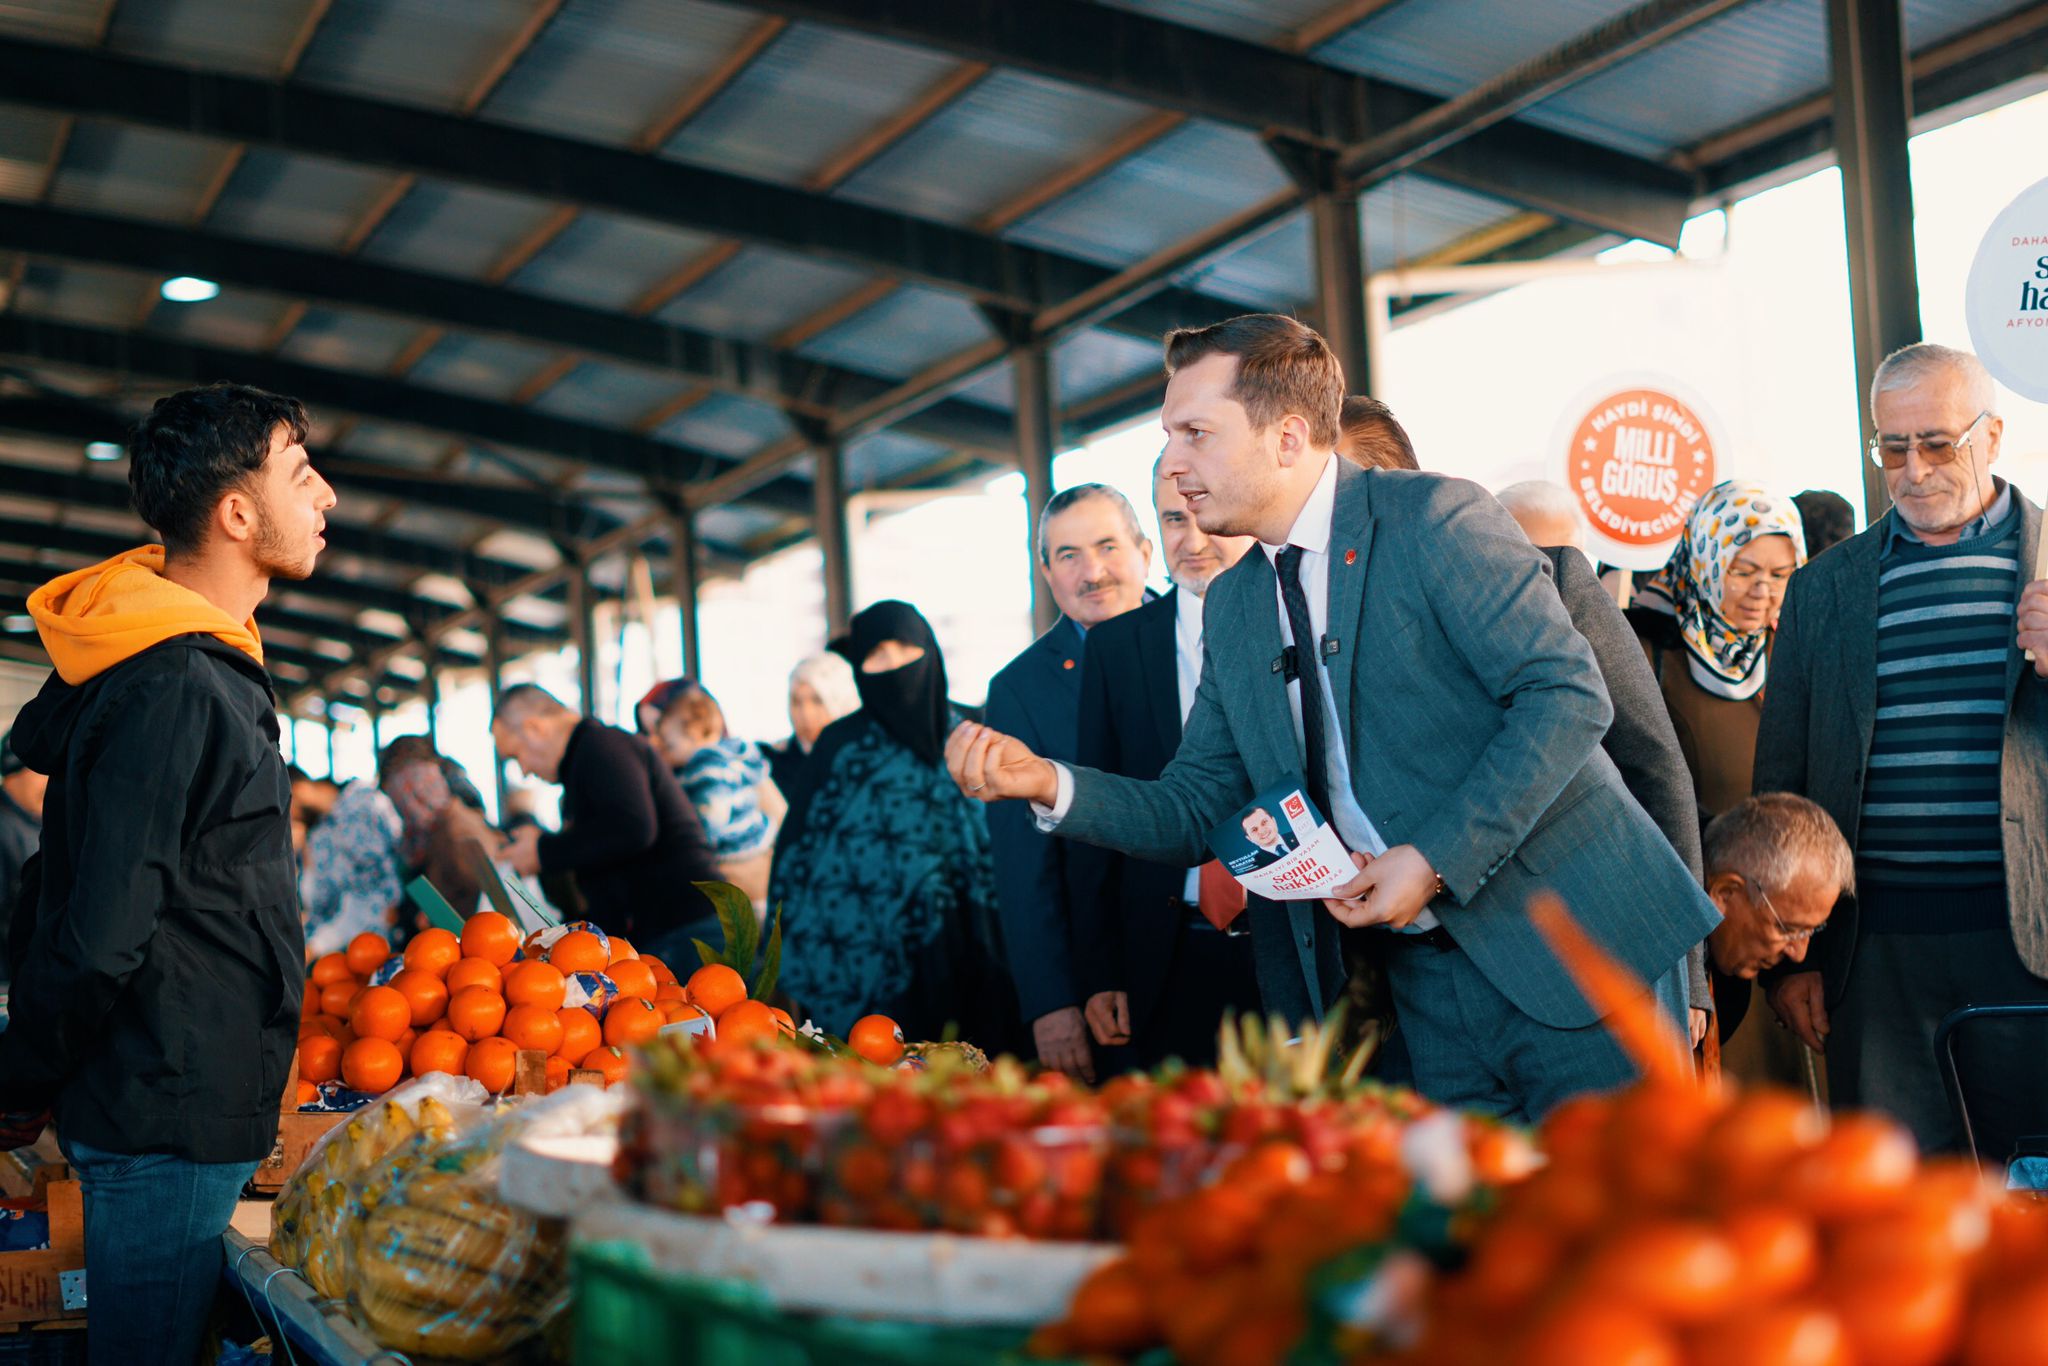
x: 1067, y: 664
x: 1351, y: 557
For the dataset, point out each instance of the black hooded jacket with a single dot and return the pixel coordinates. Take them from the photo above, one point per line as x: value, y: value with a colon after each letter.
x: 158, y: 952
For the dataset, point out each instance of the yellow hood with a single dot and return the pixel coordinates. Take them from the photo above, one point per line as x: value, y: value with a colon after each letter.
x: 92, y: 619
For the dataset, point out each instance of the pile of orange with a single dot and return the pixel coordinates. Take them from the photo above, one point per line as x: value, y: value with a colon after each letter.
x: 468, y: 1004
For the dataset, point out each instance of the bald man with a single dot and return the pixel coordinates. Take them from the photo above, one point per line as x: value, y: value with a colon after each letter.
x: 1545, y: 512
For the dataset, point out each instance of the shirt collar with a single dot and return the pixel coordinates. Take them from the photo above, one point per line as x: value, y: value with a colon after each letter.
x: 1187, y: 609
x: 1080, y: 631
x: 1311, y: 529
x: 1999, y: 509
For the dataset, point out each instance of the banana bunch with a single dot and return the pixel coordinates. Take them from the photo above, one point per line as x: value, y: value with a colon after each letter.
x: 442, y: 1269
x: 309, y: 1222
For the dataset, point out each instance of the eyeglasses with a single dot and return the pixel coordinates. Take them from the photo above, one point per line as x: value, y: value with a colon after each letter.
x: 1890, y: 452
x: 1785, y: 932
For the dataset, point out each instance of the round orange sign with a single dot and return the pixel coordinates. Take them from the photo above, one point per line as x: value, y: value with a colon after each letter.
x: 1638, y: 460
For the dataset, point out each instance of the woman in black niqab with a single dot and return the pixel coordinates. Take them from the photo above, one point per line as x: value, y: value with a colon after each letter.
x: 908, y: 701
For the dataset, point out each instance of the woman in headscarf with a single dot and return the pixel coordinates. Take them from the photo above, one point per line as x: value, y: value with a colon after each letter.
x: 821, y: 690
x: 1706, y: 620
x: 882, y: 868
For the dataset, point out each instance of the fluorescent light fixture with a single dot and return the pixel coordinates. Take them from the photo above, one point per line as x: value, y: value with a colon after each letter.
x: 17, y: 623
x: 103, y: 450
x: 189, y: 289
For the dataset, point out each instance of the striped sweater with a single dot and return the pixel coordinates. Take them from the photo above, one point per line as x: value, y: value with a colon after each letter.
x: 1931, y: 789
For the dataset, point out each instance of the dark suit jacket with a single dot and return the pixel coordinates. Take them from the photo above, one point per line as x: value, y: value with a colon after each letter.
x: 1037, y: 698
x: 1819, y: 707
x: 1472, y: 714
x: 1127, y: 912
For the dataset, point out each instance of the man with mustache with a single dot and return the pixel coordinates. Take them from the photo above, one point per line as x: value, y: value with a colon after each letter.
x: 1094, y: 558
x: 1162, y: 948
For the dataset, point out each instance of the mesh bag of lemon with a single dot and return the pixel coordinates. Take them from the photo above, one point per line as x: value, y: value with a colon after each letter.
x: 436, y: 1264
x: 313, y: 1212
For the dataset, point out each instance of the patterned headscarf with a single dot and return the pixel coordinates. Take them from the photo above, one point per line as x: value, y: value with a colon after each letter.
x: 1724, y: 661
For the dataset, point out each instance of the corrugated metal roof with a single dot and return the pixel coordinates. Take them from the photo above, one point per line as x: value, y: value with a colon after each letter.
x: 347, y: 340
x: 457, y: 230
x: 888, y: 456
x: 423, y: 52
x: 235, y: 318
x: 1257, y: 21
x: 902, y: 334
x: 86, y: 294
x: 1094, y: 362
x: 605, y: 261
x: 137, y: 172
x: 27, y: 137
x: 397, y: 445
x: 304, y: 201
x: 726, y: 424
x: 610, y: 395
x: 606, y: 70
x: 484, y: 367
x: 810, y: 93
x: 251, y: 39
x: 53, y: 21
x: 1194, y: 178
x: 761, y: 292
x: 1009, y: 133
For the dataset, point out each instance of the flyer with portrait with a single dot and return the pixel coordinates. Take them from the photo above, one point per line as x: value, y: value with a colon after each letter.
x: 1280, y: 847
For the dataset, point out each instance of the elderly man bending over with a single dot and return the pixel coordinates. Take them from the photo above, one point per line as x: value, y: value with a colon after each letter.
x: 1776, y: 866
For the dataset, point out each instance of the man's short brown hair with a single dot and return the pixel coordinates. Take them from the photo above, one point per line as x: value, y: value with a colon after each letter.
x: 1373, y: 438
x: 1282, y: 367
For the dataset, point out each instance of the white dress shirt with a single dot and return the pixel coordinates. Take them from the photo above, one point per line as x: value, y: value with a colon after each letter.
x: 1187, y: 670
x: 1311, y: 531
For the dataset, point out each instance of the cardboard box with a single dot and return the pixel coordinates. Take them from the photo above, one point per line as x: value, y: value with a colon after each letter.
x: 31, y: 1289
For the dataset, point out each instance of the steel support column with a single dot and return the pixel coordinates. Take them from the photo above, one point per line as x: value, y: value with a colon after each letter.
x: 1872, y: 109
x: 430, y: 692
x: 494, y: 660
x: 828, y: 492
x: 327, y: 715
x: 1340, y: 281
x: 683, y: 580
x: 1037, y: 436
x: 583, y: 635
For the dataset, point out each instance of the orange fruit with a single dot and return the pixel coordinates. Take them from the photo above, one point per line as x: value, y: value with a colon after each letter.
x: 716, y: 986
x: 435, y: 950
x: 319, y: 1058
x: 380, y: 1013
x: 533, y: 1027
x: 2006, y: 1329
x: 325, y: 1024
x: 476, y: 1013
x: 1111, y: 1314
x: 1791, y: 1334
x: 607, y: 1060
x: 1864, y: 1164
x: 307, y: 1093
x: 337, y: 997
x: 579, y: 951
x: 439, y: 1050
x: 426, y: 994
x: 372, y: 1065
x: 475, y: 972
x: 1778, y: 1250
x: 876, y: 1038
x: 632, y: 1020
x: 492, y: 1062
x: 1678, y: 1270
x: 1909, y: 1319
x: 558, y: 1073
x: 634, y: 978
x: 367, y: 952
x: 782, y: 1019
x: 676, y: 1012
x: 309, y: 1002
x: 661, y: 971
x: 535, y: 984
x: 580, y: 1033
x: 669, y: 993
x: 491, y: 937
x: 1585, y: 1331
x: 329, y: 969
x: 745, y: 1022
x: 621, y: 950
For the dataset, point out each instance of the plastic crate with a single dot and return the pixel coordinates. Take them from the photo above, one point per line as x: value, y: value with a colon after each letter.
x: 42, y: 1347
x: 626, y: 1310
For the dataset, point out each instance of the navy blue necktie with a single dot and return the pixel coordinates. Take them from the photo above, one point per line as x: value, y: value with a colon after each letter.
x: 1315, y: 765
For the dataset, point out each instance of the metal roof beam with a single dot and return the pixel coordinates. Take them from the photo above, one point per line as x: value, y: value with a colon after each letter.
x: 297, y: 118
x: 188, y: 362
x: 735, y: 367
x: 1248, y: 85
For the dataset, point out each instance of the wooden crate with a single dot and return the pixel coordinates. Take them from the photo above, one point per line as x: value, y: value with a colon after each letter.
x: 30, y: 1291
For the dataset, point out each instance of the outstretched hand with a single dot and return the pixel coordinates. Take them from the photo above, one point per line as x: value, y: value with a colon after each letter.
x: 992, y: 767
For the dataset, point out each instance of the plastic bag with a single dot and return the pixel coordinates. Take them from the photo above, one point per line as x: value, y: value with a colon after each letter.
x: 311, y: 1217
x: 438, y: 1265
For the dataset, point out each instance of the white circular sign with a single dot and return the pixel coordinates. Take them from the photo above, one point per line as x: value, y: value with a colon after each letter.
x: 1636, y: 452
x: 2007, y: 297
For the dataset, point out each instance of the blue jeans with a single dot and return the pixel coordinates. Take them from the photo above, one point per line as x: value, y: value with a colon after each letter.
x: 153, y: 1226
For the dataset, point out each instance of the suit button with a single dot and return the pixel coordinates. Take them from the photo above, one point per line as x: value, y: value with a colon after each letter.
x: 1308, y: 939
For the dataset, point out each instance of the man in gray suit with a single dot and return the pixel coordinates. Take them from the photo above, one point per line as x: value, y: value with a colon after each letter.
x: 1902, y: 702
x: 1441, y: 709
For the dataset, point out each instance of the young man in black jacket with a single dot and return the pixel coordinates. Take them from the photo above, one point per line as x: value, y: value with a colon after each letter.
x: 156, y: 993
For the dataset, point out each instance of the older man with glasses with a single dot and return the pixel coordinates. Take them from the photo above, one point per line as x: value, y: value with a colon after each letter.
x: 1902, y: 702
x: 1779, y: 841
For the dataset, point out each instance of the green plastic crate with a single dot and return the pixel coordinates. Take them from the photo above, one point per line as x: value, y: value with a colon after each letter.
x: 628, y: 1311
